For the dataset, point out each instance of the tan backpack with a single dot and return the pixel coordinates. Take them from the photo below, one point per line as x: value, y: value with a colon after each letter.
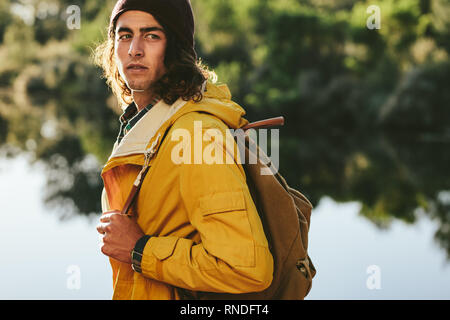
x: 285, y: 214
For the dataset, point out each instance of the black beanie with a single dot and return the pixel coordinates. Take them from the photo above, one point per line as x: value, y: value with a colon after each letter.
x: 175, y: 14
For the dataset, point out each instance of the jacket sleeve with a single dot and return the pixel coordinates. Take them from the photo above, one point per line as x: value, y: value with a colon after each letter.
x: 233, y: 254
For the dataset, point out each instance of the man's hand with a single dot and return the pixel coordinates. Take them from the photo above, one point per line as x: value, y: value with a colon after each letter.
x: 120, y: 234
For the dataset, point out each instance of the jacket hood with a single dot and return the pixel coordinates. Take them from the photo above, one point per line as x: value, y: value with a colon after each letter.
x: 216, y: 101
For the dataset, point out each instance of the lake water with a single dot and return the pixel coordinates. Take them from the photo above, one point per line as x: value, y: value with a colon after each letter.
x: 42, y: 257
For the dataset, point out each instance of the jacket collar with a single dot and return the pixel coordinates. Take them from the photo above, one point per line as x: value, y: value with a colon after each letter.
x: 136, y: 141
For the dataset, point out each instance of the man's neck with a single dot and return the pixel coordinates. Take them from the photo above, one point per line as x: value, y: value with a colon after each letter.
x: 142, y: 99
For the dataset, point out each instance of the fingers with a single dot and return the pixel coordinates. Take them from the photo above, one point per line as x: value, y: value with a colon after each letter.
x: 105, y: 221
x: 103, y: 228
x: 106, y: 217
x: 100, y: 229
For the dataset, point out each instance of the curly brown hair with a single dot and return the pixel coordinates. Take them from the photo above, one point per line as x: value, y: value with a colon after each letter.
x: 184, y: 78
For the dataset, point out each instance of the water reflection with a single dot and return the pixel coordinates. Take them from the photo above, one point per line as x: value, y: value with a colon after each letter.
x: 393, y: 176
x: 355, y: 245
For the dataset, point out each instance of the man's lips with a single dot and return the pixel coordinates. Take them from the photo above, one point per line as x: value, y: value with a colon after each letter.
x: 136, y: 67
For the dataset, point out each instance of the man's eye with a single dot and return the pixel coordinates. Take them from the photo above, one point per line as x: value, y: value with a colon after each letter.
x: 125, y: 36
x: 152, y: 36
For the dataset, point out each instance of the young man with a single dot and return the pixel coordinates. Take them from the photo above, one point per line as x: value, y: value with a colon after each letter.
x: 194, y: 225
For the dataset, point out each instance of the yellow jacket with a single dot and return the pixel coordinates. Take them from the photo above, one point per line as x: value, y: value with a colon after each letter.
x: 207, y: 235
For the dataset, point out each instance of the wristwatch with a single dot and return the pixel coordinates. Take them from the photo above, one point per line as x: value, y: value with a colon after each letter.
x: 137, y: 253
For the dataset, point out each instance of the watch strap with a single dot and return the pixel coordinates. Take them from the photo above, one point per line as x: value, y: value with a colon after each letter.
x: 138, y: 252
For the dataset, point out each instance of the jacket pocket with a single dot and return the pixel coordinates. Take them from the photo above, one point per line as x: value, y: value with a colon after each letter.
x: 225, y: 228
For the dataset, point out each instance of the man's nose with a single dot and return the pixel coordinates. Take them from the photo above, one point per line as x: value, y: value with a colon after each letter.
x: 136, y: 49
